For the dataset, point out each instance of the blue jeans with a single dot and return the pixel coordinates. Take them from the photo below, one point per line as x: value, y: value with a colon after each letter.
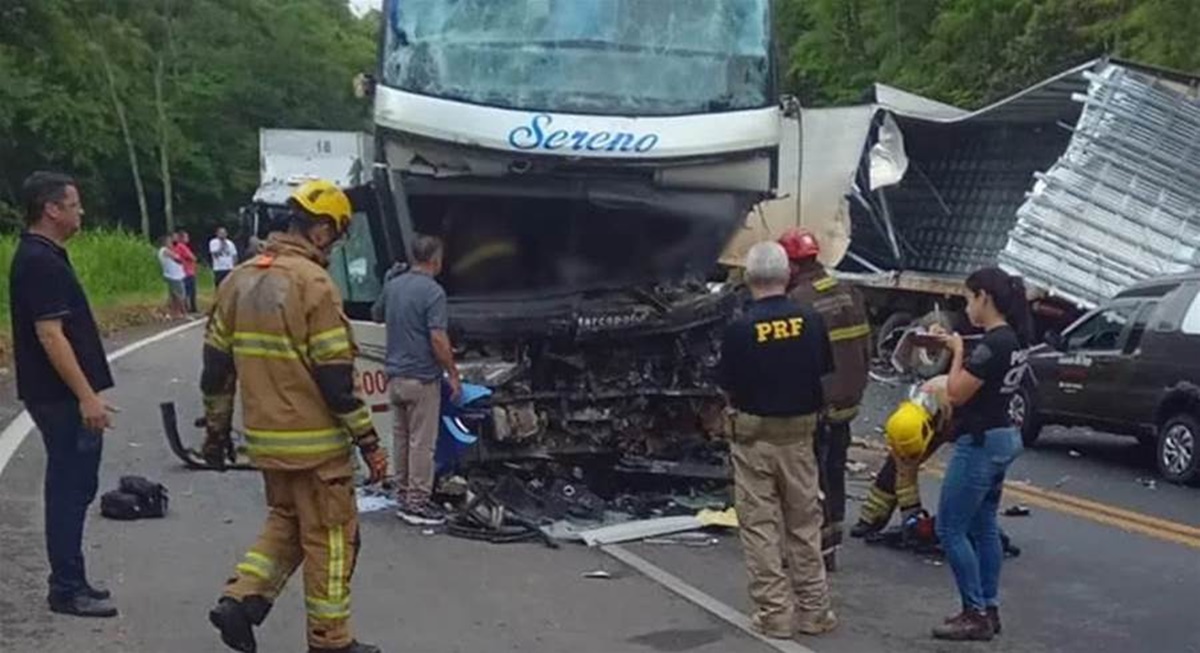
x: 966, y: 518
x: 189, y: 289
x: 72, y: 478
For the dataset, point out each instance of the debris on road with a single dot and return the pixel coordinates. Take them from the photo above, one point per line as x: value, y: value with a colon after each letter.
x: 599, y: 574
x: 1017, y: 511
x: 884, y: 379
x: 639, y: 530
x: 374, y: 501
x: 856, y: 467
x: 1148, y: 483
x: 691, y: 539
x: 724, y: 518
x: 1062, y: 481
x: 1074, y: 453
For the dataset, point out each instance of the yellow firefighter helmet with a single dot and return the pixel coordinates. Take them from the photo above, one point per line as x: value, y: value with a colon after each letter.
x: 909, y: 430
x: 323, y: 199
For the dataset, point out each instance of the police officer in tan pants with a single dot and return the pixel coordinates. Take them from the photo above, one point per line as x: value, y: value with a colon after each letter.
x: 773, y: 358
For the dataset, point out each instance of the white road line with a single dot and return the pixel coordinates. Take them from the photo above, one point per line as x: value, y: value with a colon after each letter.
x: 699, y: 598
x: 18, y: 429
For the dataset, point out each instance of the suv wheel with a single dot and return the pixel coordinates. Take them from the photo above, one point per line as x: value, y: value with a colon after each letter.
x: 1023, y: 414
x: 1177, y: 451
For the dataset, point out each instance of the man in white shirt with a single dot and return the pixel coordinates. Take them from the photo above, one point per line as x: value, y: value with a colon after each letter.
x: 224, y: 255
x: 172, y: 270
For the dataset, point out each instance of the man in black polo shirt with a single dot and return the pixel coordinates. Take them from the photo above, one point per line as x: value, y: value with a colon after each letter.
x: 772, y: 361
x: 61, y: 368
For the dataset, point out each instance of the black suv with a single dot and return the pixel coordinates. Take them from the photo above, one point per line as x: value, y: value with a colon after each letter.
x: 1130, y: 367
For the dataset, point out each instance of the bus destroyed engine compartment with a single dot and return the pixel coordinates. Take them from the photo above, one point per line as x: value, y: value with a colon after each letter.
x: 585, y: 312
x: 627, y: 379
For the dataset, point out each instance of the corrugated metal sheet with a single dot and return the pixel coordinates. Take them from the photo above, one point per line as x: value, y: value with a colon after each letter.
x: 1123, y: 202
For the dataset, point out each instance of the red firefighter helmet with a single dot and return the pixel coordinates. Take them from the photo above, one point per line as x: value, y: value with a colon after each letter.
x: 799, y: 243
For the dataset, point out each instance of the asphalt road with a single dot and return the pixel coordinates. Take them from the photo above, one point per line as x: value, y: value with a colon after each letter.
x: 1080, y: 585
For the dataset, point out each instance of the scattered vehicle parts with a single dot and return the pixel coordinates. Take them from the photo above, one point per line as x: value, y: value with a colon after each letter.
x: 640, y: 530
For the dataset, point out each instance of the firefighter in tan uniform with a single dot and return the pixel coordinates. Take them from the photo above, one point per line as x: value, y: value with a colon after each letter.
x: 772, y: 359
x: 849, y: 334
x: 278, y: 331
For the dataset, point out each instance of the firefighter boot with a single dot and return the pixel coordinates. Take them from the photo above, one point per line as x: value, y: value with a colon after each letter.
x: 355, y: 647
x: 236, y: 621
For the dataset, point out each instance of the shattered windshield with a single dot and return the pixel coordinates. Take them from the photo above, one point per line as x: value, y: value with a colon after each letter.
x: 640, y: 57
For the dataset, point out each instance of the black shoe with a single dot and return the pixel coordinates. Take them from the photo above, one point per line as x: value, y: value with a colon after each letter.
x: 96, y: 593
x: 993, y: 614
x: 237, y: 630
x: 83, y: 605
x: 865, y: 528
x: 356, y: 647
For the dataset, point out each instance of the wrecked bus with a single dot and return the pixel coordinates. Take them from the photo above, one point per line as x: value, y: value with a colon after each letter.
x: 585, y: 162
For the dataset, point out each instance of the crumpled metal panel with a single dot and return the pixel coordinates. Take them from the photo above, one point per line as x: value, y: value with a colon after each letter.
x: 957, y: 204
x: 1123, y: 202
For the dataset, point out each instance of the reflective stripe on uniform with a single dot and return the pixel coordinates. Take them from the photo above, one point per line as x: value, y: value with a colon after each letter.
x: 878, y: 506
x: 218, y: 335
x: 849, y: 333
x: 329, y: 344
x: 908, y: 497
x: 265, y: 345
x: 825, y: 284
x: 358, y: 421
x: 336, y: 604
x: 329, y: 610
x: 301, y: 443
x: 257, y: 564
x: 337, y: 563
x: 842, y: 414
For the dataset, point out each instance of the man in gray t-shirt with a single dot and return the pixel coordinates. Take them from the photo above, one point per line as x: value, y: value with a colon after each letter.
x: 418, y: 354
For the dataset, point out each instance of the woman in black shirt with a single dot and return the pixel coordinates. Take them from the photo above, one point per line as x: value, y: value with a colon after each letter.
x: 986, y: 443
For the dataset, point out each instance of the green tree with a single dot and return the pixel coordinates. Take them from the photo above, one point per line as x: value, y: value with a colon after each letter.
x: 191, y: 84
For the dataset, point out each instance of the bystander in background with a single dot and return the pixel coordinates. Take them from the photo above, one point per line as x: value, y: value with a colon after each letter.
x: 187, y: 257
x: 224, y: 255
x: 174, y: 275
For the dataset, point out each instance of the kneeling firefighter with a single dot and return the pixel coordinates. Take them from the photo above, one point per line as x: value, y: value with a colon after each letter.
x: 278, y: 330
x: 841, y: 306
x: 914, y: 431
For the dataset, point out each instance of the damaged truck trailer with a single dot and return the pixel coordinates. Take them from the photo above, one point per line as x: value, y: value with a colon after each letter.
x: 1084, y: 184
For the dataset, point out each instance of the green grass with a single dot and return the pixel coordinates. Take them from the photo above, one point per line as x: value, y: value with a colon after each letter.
x: 116, y: 269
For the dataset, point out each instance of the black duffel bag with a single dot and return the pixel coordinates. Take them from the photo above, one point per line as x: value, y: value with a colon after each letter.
x: 135, y: 498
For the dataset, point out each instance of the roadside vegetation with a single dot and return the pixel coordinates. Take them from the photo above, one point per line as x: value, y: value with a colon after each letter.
x: 120, y: 273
